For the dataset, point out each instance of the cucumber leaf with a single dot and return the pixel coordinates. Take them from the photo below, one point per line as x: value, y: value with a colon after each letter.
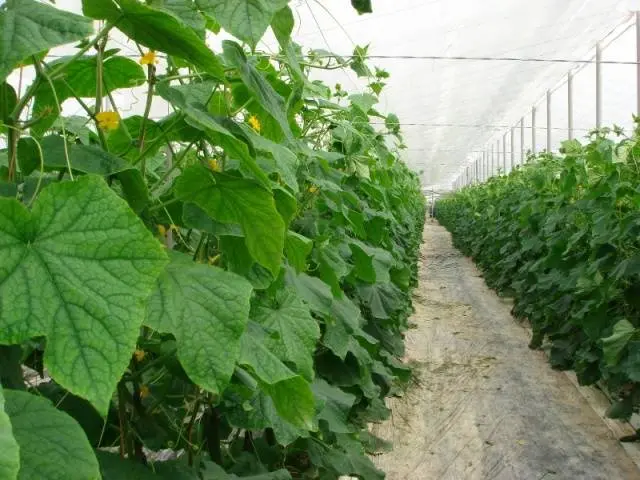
x: 77, y: 269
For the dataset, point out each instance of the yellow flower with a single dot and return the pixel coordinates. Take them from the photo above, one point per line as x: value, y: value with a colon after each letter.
x: 313, y: 189
x: 255, y: 123
x: 148, y: 58
x: 162, y: 230
x: 108, y: 120
x: 139, y: 354
x: 214, y: 165
x: 144, y: 391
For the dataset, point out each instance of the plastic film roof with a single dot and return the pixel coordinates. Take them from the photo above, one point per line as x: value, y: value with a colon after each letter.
x: 451, y: 110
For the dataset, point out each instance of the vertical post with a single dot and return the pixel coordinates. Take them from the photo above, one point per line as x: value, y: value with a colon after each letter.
x: 598, y: 85
x: 504, y: 153
x: 513, y: 148
x: 549, y: 137
x: 493, y: 159
x: 638, y: 60
x: 484, y: 166
x: 498, y: 157
x: 570, y: 103
x: 533, y: 130
x: 522, y: 141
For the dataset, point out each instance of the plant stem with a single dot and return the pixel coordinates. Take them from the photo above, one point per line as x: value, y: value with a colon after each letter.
x: 151, y: 76
x: 174, y: 166
x: 192, y: 421
x: 162, y: 205
x: 11, y: 367
x: 42, y: 73
x: 125, y: 445
x: 212, y: 435
x: 13, y: 137
x: 160, y: 138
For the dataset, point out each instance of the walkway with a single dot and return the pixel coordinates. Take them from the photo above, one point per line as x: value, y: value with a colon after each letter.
x: 483, y: 406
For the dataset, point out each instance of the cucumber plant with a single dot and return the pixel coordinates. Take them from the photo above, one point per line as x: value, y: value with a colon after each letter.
x: 218, y: 293
x: 560, y: 235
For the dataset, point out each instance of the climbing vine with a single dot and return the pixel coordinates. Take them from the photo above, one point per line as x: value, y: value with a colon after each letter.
x: 560, y: 235
x: 218, y: 293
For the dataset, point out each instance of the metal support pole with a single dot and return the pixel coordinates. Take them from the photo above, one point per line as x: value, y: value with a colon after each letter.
x: 570, y: 103
x: 484, y: 166
x: 493, y: 160
x: 533, y: 130
x: 598, y: 86
x: 522, y: 141
x: 638, y: 59
x: 504, y: 153
x: 498, y: 157
x: 513, y: 149
x: 549, y: 138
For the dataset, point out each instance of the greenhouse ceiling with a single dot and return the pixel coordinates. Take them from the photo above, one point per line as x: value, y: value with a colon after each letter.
x: 451, y: 85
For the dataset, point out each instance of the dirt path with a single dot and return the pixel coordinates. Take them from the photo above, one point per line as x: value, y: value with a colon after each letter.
x: 484, y: 406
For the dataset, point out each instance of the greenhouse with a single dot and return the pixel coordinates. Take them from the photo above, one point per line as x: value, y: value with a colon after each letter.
x: 319, y: 239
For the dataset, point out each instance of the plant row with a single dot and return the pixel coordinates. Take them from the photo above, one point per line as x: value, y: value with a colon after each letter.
x: 219, y: 293
x: 561, y: 236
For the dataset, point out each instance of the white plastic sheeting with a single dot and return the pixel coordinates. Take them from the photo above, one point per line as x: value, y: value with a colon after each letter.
x: 454, y: 109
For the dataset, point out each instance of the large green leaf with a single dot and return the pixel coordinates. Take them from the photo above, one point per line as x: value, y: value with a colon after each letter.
x: 246, y: 20
x: 9, y: 450
x: 207, y: 310
x: 8, y: 101
x: 297, y: 330
x: 158, y: 30
x: 336, y: 408
x: 258, y: 85
x: 343, y: 462
x: 185, y: 10
x: 216, y: 472
x: 83, y: 158
x: 282, y: 26
x: 194, y: 217
x: 291, y: 394
x: 52, y: 444
x: 252, y: 409
x: 297, y: 249
x: 28, y: 27
x: 331, y: 265
x: 312, y: 290
x: 614, y: 345
x: 77, y: 269
x: 383, y: 299
x: 280, y: 159
x: 238, y: 201
x: 379, y: 261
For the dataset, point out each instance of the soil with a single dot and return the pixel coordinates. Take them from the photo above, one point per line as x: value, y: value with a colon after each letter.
x: 482, y: 404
